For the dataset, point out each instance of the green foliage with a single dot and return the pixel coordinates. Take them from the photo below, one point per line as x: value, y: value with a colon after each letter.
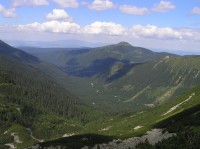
x: 49, y: 127
x: 148, y: 118
x: 27, y: 92
x: 33, y: 95
x: 127, y: 77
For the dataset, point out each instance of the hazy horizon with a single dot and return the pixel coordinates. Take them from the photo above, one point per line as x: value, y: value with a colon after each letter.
x: 82, y: 44
x: 167, y: 25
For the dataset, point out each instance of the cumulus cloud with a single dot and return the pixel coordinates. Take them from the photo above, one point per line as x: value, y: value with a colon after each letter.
x: 1, y: 8
x: 114, y: 29
x: 55, y: 26
x: 151, y: 31
x: 18, y: 3
x: 139, y: 35
x: 165, y: 33
x: 163, y: 6
x: 62, y: 3
x: 101, y: 5
x: 58, y: 14
x: 84, y: 3
x: 8, y: 13
x: 107, y: 28
x: 52, y: 26
x: 133, y: 10
x: 60, y: 22
x: 191, y: 34
x: 196, y: 10
x: 67, y: 3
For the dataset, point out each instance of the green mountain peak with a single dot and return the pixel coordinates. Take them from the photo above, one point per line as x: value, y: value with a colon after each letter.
x: 123, y: 43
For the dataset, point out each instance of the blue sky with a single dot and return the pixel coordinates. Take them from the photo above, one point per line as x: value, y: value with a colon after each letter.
x: 167, y: 25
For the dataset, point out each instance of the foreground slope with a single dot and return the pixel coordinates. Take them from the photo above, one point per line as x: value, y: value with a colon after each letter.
x: 177, y: 115
x: 32, y: 103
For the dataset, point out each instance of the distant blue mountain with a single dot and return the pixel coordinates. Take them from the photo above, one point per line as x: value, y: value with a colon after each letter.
x: 59, y: 43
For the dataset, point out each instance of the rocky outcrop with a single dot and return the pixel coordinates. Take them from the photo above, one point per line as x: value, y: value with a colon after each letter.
x: 153, y: 136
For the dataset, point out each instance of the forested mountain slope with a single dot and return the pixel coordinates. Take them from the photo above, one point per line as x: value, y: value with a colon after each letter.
x: 124, y: 76
x: 29, y: 98
x: 88, y: 62
x: 157, y: 81
x: 179, y: 115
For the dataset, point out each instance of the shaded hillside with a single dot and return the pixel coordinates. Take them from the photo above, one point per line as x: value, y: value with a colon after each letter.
x: 94, y: 61
x: 128, y: 76
x: 28, y: 76
x: 16, y: 53
x: 29, y: 98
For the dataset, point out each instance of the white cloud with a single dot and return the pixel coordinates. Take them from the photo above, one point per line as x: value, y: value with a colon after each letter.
x: 163, y: 6
x: 165, y: 33
x: 58, y: 14
x: 8, y: 13
x: 18, y: 3
x: 1, y: 8
x: 191, y: 34
x: 196, y: 10
x: 114, y: 29
x: 151, y: 31
x: 38, y: 2
x: 101, y: 28
x: 60, y: 22
x: 62, y: 3
x: 67, y: 3
x: 52, y: 26
x: 84, y: 3
x: 107, y: 28
x: 133, y: 10
x: 148, y: 36
x: 101, y: 5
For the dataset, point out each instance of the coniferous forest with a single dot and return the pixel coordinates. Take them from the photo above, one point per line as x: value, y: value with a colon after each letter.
x: 48, y: 104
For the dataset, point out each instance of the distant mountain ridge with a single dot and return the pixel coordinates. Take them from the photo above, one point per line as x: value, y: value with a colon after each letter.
x: 78, y: 62
x: 136, y: 75
x: 58, y: 43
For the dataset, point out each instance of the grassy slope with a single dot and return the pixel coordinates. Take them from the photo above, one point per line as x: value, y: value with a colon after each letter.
x: 123, y: 126
x: 158, y: 81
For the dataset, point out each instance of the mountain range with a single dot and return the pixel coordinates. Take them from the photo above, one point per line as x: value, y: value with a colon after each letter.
x: 124, y: 73
x: 108, y: 91
x: 59, y: 43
